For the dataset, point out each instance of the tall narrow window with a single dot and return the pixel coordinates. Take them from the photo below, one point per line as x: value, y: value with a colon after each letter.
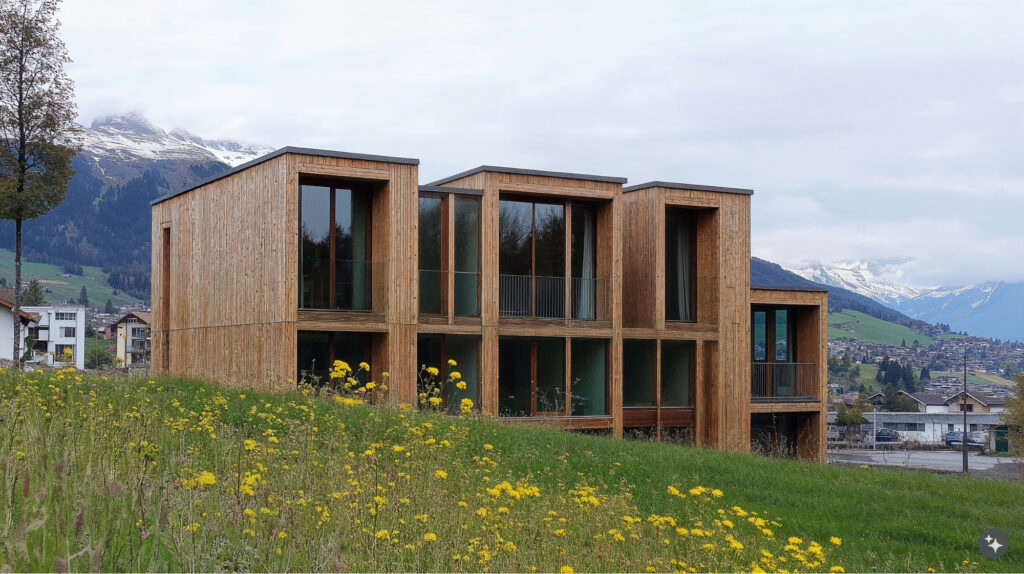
x: 550, y: 376
x: 316, y: 247
x: 549, y: 260
x: 336, y: 272
x: 515, y: 376
x: 680, y: 276
x: 431, y: 264
x: 467, y: 256
x: 782, y: 335
x: 584, y: 262
x: 678, y: 371
x: 588, y: 377
x: 515, y: 258
x: 759, y: 324
x: 165, y: 293
x: 639, y: 364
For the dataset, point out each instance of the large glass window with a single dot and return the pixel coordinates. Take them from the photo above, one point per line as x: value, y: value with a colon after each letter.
x: 532, y: 259
x: 678, y: 371
x: 532, y: 377
x: 588, y: 377
x: 431, y: 274
x: 335, y: 246
x: 680, y: 264
x: 467, y: 256
x: 515, y: 376
x: 436, y: 350
x: 639, y: 364
x: 317, y: 351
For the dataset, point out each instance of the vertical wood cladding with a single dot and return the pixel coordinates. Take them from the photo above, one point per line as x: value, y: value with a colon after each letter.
x: 226, y: 285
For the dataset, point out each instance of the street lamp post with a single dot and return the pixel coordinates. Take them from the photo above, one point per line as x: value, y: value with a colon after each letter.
x: 963, y: 444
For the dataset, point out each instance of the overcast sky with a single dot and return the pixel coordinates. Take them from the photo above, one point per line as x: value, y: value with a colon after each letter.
x: 867, y: 129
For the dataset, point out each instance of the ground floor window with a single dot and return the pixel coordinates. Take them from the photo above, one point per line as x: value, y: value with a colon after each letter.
x: 904, y: 427
x: 317, y: 351
x: 438, y: 351
x: 641, y: 384
x: 64, y: 352
x: 536, y: 379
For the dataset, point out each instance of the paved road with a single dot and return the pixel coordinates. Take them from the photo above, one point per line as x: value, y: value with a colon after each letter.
x: 945, y: 460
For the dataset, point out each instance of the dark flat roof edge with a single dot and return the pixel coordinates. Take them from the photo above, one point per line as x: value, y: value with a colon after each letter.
x: 790, y: 288
x: 282, y: 151
x: 442, y: 189
x: 693, y: 186
x: 538, y: 172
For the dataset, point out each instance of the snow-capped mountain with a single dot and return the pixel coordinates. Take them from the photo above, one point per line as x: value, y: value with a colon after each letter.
x: 866, y: 277
x: 119, y: 146
x: 991, y: 309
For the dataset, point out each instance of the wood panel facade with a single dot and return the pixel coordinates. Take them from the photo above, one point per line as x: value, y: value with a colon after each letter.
x: 227, y: 300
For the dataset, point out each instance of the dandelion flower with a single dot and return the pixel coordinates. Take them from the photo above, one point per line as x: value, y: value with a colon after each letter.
x: 566, y: 570
x: 836, y: 540
x: 440, y: 474
x: 430, y: 537
x: 488, y: 447
x: 836, y: 569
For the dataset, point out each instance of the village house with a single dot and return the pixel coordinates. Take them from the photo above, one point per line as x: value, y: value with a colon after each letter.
x: 7, y: 329
x: 562, y: 298
x: 131, y: 335
x: 59, y: 335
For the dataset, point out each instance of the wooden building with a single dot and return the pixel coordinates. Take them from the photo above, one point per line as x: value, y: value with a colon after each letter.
x: 562, y: 297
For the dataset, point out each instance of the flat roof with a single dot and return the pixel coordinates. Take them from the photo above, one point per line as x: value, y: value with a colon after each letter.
x: 693, y: 186
x: 462, y: 190
x: 282, y: 151
x: 520, y: 171
x: 790, y: 288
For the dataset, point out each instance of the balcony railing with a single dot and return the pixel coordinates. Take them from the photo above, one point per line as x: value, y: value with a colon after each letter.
x: 545, y: 297
x: 781, y: 382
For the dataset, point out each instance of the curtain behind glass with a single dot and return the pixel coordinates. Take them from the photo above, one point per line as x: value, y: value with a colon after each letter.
x: 680, y: 304
x: 584, y: 264
x: 430, y: 255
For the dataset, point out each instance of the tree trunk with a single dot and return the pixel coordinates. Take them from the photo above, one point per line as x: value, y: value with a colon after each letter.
x: 17, y: 293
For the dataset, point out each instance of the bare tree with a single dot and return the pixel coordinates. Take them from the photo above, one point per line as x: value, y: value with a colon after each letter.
x: 37, y: 121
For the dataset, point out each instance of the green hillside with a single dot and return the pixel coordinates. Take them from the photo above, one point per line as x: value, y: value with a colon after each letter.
x: 171, y: 475
x: 59, y: 288
x: 857, y: 325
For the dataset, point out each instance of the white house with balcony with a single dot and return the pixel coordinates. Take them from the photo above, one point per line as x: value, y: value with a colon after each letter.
x: 132, y: 335
x: 59, y: 335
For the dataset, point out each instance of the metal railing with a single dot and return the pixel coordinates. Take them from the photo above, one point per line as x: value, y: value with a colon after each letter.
x: 544, y: 297
x: 770, y: 381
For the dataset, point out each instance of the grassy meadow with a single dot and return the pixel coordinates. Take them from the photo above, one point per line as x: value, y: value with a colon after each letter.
x: 171, y: 475
x: 855, y: 324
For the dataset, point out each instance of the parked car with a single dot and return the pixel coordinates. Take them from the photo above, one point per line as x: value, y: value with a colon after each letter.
x: 832, y: 433
x: 975, y: 439
x: 886, y: 435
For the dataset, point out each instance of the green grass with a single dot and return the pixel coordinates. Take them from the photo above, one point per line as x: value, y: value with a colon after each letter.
x: 116, y: 475
x: 972, y: 379
x: 857, y: 325
x: 63, y: 288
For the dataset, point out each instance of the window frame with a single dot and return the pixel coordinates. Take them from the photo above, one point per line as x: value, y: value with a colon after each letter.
x: 370, y: 188
x: 568, y: 205
x: 448, y: 250
x: 567, y: 376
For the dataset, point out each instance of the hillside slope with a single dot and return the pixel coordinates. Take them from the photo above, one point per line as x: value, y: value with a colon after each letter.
x: 177, y: 475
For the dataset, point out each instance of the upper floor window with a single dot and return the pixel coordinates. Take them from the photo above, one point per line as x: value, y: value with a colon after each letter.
x: 680, y: 265
x: 534, y: 277
x: 449, y: 261
x: 64, y: 316
x: 68, y: 332
x: 334, y: 247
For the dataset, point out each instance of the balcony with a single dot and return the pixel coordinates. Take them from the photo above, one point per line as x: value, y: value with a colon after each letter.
x: 534, y: 296
x: 783, y: 382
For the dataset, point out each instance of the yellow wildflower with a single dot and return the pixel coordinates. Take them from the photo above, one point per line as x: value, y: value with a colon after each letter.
x: 566, y: 570
x: 430, y: 537
x: 835, y: 540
